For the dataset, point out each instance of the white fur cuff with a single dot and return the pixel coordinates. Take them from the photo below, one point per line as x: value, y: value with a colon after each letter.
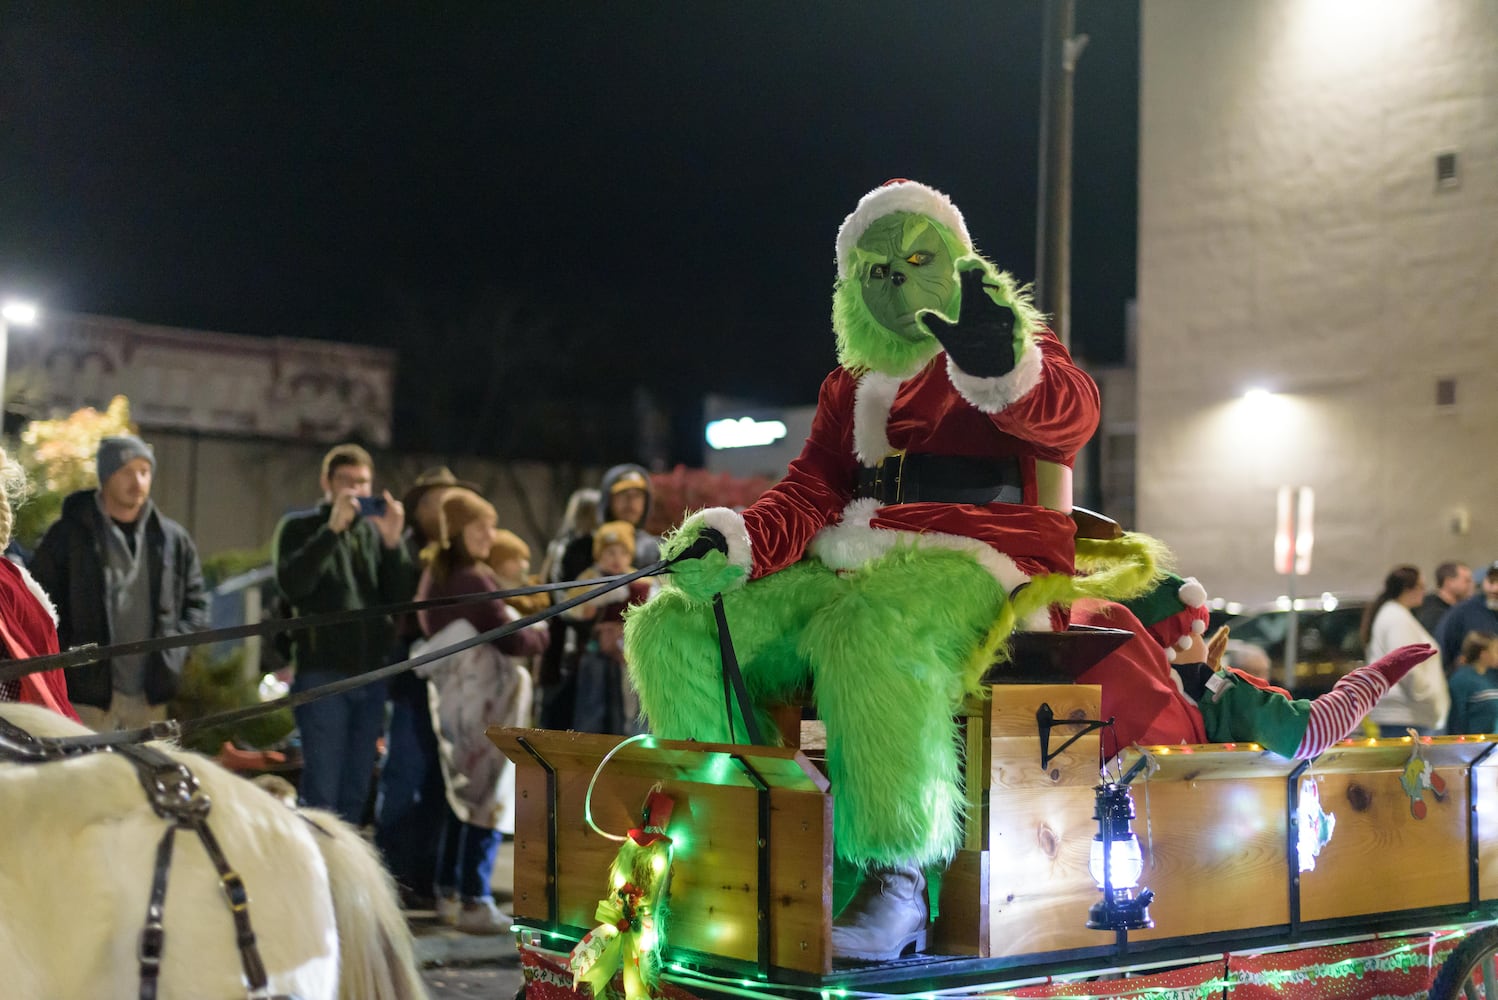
x: 994, y: 393
x: 731, y: 524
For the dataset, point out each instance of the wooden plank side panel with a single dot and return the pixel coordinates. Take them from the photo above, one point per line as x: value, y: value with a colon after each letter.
x: 1485, y: 791
x: 1039, y: 888
x: 530, y: 841
x: 1381, y: 857
x: 961, y: 926
x: 1214, y: 853
x: 801, y: 880
x: 1014, y: 706
x: 1016, y: 763
x: 714, y: 898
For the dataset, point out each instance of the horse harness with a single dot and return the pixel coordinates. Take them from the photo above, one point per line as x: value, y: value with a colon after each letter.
x: 173, y: 792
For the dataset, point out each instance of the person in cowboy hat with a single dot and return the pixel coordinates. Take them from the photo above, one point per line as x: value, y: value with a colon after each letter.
x: 409, y: 808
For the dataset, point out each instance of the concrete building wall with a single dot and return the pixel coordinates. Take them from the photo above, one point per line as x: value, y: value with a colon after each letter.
x: 1293, y: 236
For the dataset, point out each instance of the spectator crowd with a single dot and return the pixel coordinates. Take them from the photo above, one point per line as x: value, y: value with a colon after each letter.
x: 115, y: 569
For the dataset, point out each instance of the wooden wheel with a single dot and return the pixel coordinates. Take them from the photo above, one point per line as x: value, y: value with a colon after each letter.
x: 1471, y: 972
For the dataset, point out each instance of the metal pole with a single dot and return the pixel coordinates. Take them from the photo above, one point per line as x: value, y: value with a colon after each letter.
x: 1061, y: 49
x: 1292, y: 629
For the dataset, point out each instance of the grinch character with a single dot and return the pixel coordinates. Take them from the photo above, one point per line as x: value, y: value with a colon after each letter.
x: 1168, y: 685
x: 893, y: 559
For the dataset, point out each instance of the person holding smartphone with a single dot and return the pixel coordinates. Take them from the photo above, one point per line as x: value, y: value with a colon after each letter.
x: 342, y: 555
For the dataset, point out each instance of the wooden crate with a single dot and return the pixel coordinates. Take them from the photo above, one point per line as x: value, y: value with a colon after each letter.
x: 561, y: 865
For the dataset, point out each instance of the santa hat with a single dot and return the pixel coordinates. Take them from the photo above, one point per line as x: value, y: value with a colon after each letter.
x: 1174, y: 612
x: 614, y: 533
x: 898, y: 195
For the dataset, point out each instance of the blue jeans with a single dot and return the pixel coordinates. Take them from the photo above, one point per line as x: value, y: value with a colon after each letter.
x: 412, y: 804
x: 338, y: 745
x: 465, y: 859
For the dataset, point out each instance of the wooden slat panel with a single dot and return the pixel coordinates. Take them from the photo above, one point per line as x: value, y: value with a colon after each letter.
x: 530, y: 840
x: 1380, y: 857
x: 682, y: 760
x: 1485, y: 790
x: 961, y: 926
x: 1207, y: 762
x: 1039, y: 888
x: 1378, y: 755
x: 714, y: 898
x: 1016, y: 763
x: 1214, y: 853
x: 1014, y: 706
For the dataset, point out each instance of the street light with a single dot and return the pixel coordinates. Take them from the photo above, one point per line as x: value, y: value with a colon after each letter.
x: 13, y: 312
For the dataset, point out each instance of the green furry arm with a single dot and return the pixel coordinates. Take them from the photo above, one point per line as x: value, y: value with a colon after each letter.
x: 699, y: 579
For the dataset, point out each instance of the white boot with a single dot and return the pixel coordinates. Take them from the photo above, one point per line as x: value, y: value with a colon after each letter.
x: 886, y: 915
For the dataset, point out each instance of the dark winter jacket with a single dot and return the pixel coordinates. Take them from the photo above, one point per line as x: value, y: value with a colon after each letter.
x: 1431, y: 611
x: 69, y: 564
x: 1471, y: 615
x: 578, y: 555
x: 318, y: 570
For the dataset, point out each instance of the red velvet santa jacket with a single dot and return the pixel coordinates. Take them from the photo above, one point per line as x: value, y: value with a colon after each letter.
x: 27, y: 629
x: 1044, y: 410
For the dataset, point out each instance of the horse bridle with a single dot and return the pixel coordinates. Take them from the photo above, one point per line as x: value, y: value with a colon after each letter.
x: 173, y: 792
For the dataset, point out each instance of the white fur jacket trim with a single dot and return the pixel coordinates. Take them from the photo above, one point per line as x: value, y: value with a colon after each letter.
x: 37, y: 592
x: 731, y: 524
x: 854, y: 542
x: 873, y: 398
x: 993, y: 393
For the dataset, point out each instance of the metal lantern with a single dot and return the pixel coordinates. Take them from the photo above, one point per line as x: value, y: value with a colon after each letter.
x: 1116, y: 864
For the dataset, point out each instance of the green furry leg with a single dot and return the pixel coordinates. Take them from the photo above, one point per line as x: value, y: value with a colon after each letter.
x: 888, y: 659
x: 671, y: 647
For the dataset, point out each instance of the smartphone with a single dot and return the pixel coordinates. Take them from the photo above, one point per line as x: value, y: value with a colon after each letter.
x: 373, y: 506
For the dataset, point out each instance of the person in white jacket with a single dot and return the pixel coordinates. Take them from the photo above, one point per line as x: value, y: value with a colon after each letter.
x: 1421, y: 700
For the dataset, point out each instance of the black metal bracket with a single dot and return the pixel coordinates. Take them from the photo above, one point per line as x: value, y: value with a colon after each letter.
x: 552, y: 874
x: 1292, y: 841
x: 1045, y: 719
x: 762, y: 844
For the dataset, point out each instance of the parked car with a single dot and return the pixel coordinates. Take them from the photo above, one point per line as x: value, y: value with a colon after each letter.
x: 1327, y: 642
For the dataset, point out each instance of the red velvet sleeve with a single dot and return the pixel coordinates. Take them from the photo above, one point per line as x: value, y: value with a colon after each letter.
x: 816, y: 487
x: 1061, y: 412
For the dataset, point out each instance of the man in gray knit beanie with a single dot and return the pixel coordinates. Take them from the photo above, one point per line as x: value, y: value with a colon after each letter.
x: 119, y: 571
x: 116, y: 452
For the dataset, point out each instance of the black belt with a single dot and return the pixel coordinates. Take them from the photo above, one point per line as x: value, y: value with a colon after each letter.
x: 942, y: 479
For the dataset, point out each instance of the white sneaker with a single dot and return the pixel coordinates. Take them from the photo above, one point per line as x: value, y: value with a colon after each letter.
x: 482, y: 917
x: 448, y: 908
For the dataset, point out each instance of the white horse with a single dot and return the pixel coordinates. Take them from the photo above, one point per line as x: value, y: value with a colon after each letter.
x: 78, y: 842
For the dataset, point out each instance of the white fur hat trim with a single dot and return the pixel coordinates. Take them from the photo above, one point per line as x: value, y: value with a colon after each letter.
x: 898, y: 195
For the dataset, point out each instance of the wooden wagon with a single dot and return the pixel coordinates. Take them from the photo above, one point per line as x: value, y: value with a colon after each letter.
x: 1401, y: 898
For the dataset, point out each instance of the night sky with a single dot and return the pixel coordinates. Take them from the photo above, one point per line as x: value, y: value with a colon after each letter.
x: 542, y: 206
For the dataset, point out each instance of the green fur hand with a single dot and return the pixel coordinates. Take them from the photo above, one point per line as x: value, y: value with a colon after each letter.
x: 700, y: 579
x: 699, y: 563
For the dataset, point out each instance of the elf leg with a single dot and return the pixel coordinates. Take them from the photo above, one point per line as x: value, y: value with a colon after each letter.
x: 1301, y: 728
x: 671, y: 647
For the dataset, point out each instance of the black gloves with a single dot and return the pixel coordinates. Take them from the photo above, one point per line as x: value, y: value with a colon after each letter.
x: 981, y: 342
x: 708, y: 540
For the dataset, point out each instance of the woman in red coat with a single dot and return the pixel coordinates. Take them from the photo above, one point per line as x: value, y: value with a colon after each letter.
x: 28, y: 622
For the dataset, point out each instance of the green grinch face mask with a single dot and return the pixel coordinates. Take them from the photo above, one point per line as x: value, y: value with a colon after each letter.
x: 904, y: 265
